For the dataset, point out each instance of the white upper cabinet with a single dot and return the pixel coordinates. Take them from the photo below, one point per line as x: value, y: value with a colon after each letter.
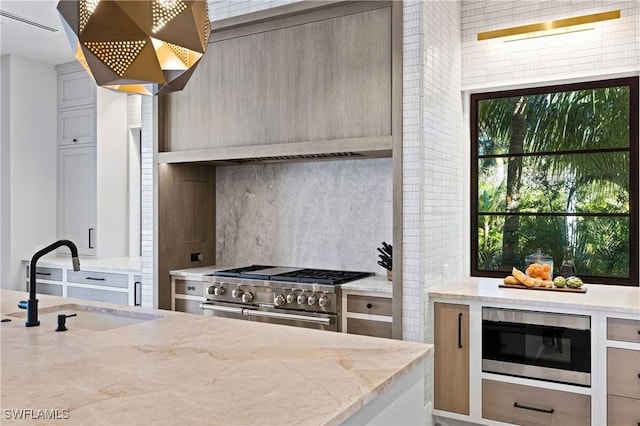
x: 75, y: 89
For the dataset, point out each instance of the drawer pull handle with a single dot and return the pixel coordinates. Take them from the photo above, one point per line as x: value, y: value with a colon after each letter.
x: 43, y: 273
x: 190, y: 288
x: 369, y: 305
x: 96, y: 279
x: 460, y: 330
x: 542, y: 410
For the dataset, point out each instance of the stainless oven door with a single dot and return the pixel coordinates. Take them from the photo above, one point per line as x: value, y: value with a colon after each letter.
x: 318, y: 321
x: 225, y: 310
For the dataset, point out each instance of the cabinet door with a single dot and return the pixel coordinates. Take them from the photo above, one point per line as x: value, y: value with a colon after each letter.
x: 451, y: 364
x: 77, y: 197
x: 75, y: 89
x: 77, y: 126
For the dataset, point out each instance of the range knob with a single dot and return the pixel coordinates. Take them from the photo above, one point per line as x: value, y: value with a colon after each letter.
x: 302, y: 299
x: 291, y: 298
x: 219, y: 291
x: 212, y: 289
x: 237, y: 293
x: 247, y: 297
x: 312, y: 300
x: 324, y: 301
x: 279, y: 300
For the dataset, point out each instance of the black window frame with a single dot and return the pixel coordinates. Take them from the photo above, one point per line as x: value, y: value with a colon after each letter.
x: 634, y: 219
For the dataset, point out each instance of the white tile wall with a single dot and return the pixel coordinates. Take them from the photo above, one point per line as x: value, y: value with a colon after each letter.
x: 613, y: 47
x: 147, y: 204
x: 443, y: 155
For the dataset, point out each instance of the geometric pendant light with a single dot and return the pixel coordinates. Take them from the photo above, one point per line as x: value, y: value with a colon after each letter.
x: 138, y: 46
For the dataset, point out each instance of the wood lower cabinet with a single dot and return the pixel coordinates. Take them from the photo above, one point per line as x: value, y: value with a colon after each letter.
x: 186, y: 222
x: 187, y: 294
x: 623, y: 373
x: 528, y: 405
x: 451, y: 359
x: 366, y: 313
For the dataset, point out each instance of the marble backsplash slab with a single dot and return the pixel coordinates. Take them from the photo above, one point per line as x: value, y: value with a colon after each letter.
x: 329, y: 214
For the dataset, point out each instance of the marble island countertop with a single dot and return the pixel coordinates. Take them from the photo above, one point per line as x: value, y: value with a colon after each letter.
x: 189, y: 369
x: 609, y: 298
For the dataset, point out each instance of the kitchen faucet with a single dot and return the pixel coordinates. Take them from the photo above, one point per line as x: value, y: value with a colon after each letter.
x: 31, y: 305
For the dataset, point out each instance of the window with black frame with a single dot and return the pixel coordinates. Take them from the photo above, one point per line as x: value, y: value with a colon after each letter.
x: 556, y: 168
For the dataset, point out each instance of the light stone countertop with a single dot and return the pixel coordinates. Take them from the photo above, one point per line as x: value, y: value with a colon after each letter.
x: 600, y: 297
x: 189, y: 369
x: 124, y: 264
x: 373, y: 284
x: 197, y: 272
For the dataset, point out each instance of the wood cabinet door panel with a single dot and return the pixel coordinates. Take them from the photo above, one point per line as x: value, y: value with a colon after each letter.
x: 321, y: 80
x: 451, y: 359
x: 369, y: 305
x: 528, y: 405
x: 623, y: 372
x: 625, y: 330
x: 369, y: 328
x: 623, y: 411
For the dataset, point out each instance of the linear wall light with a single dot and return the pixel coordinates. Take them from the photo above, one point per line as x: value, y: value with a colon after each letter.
x: 543, y: 29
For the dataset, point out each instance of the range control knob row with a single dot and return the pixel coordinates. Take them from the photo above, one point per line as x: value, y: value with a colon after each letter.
x: 236, y: 293
x: 279, y: 300
x: 302, y: 299
x: 211, y: 289
x: 219, y: 291
x: 291, y: 298
x: 247, y: 297
x: 324, y: 301
x: 312, y: 300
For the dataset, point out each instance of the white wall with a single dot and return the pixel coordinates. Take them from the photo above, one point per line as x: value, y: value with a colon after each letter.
x: 613, y: 47
x: 111, y: 158
x: 29, y: 150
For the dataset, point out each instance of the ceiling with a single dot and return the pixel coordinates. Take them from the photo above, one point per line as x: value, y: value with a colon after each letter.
x: 29, y: 40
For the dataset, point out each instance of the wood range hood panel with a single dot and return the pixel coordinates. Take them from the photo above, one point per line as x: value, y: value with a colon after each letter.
x: 312, y: 84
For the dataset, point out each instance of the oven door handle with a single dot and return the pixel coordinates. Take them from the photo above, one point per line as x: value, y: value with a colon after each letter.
x: 279, y: 315
x: 227, y: 309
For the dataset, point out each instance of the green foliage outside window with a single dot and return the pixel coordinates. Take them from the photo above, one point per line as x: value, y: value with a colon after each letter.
x: 554, y: 168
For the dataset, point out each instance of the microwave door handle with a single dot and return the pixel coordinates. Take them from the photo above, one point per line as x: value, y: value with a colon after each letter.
x: 294, y: 317
x: 460, y: 330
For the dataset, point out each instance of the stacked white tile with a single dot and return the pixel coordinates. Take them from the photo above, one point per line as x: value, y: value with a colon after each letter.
x: 412, y: 148
x: 612, y: 48
x: 147, y: 204
x: 443, y: 155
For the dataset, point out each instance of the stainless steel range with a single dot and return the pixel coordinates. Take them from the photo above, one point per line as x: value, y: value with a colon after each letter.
x: 291, y: 296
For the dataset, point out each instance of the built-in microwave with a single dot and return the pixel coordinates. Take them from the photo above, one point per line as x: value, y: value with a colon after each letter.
x: 539, y: 345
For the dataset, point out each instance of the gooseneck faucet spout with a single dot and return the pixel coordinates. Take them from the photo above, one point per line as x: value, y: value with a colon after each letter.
x: 32, y: 303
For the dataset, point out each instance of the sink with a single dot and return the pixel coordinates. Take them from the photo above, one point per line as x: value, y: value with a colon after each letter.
x: 88, y: 317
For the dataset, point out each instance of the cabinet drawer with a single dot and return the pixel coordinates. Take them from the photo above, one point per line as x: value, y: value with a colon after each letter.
x: 51, y: 274
x: 117, y: 297
x: 369, y: 328
x: 623, y: 372
x: 192, y: 288
x: 528, y: 405
x: 98, y: 278
x: 46, y: 288
x: 77, y: 126
x: 623, y: 411
x: 75, y: 89
x: 369, y: 305
x: 190, y: 306
x: 625, y: 330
